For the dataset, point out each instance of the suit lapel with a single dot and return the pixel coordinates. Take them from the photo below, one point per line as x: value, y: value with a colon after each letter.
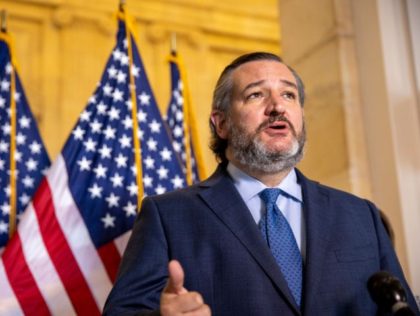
x: 224, y: 200
x: 319, y: 218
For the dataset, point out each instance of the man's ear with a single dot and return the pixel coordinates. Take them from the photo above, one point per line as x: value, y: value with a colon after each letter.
x: 218, y: 120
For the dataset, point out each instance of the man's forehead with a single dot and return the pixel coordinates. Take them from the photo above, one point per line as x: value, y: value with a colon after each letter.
x: 260, y: 70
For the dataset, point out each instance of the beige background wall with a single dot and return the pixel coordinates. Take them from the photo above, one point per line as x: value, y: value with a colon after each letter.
x: 62, y: 47
x: 358, y: 137
x: 386, y: 37
x: 359, y: 61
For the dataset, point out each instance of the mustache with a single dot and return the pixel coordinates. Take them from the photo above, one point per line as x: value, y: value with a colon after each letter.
x: 276, y: 118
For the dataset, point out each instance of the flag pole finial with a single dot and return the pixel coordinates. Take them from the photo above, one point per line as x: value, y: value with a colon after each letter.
x: 122, y: 5
x: 173, y: 43
x: 3, y: 18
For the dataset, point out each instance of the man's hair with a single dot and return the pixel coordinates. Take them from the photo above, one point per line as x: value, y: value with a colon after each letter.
x: 223, y: 92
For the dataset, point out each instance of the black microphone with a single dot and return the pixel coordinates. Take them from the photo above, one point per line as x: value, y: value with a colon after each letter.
x: 388, y: 293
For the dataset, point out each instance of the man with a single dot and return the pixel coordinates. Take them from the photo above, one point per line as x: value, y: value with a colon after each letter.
x: 223, y: 233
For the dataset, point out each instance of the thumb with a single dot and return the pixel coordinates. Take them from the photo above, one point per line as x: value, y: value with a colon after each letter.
x: 175, y: 284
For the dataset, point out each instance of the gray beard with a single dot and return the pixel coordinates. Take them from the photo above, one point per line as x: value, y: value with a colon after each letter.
x: 249, y: 151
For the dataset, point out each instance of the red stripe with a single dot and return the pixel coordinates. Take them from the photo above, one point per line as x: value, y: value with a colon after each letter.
x: 111, y: 259
x: 21, y: 280
x: 61, y: 254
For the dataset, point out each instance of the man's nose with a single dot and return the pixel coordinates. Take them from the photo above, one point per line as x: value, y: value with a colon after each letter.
x: 275, y: 105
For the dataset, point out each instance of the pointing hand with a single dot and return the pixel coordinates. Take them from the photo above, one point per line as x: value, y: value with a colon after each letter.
x: 177, y: 300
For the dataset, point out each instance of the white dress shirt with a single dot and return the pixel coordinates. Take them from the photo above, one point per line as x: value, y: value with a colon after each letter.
x: 289, y: 201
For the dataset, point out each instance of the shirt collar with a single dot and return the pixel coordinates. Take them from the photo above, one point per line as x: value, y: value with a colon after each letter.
x: 249, y: 187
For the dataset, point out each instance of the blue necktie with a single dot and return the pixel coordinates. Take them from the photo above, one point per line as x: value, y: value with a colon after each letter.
x: 279, y: 236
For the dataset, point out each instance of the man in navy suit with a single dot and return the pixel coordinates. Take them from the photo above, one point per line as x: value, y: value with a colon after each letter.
x: 214, y: 235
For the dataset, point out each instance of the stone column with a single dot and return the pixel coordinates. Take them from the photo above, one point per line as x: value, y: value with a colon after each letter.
x: 359, y: 60
x: 318, y: 41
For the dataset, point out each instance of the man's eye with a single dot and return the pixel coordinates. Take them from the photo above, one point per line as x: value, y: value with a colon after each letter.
x: 290, y: 95
x: 254, y: 95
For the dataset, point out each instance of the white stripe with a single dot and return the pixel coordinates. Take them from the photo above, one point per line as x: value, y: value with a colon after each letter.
x: 121, y: 242
x: 41, y: 267
x: 9, y: 305
x: 76, y: 233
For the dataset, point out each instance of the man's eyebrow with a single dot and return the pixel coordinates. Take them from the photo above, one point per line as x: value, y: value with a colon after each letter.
x: 252, y: 85
x: 258, y: 83
x: 290, y: 84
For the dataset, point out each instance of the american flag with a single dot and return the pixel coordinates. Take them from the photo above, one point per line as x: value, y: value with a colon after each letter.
x: 65, y: 256
x: 181, y: 122
x: 30, y: 156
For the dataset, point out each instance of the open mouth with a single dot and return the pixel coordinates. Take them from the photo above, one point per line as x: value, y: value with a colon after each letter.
x: 278, y: 126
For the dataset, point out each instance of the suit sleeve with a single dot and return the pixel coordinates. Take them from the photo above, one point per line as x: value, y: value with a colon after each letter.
x: 388, y: 258
x: 143, y: 270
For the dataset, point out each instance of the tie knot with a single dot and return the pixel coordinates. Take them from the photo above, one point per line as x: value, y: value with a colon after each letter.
x: 269, y: 196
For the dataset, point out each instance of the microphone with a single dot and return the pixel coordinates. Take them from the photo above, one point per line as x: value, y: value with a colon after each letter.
x: 388, y: 293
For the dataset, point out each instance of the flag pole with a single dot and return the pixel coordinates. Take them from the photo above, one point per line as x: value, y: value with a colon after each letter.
x: 122, y: 4
x: 188, y: 164
x: 173, y: 43
x: 3, y: 22
x: 185, y: 109
x: 12, y: 183
x: 137, y: 147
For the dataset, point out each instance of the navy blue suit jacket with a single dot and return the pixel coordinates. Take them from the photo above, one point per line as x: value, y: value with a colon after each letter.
x: 209, y: 229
